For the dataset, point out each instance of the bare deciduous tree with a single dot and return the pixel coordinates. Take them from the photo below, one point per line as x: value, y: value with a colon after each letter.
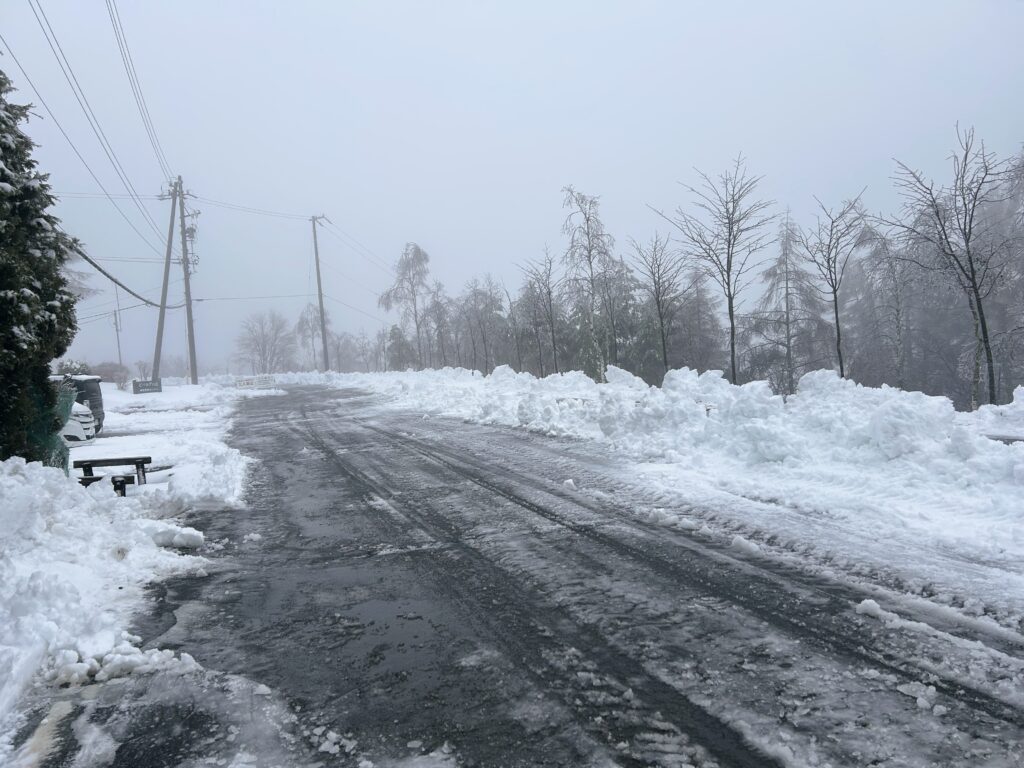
x: 541, y: 274
x: 828, y: 246
x: 407, y: 291
x: 266, y: 343
x: 439, y: 312
x: 729, y: 228
x: 971, y: 233
x: 661, y: 269
x: 308, y: 330
x: 892, y: 276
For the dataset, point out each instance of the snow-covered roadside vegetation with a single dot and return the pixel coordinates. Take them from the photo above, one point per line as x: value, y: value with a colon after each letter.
x: 74, y: 561
x: 863, y: 479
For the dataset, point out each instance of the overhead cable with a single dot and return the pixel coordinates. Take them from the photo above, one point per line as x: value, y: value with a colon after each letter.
x: 121, y: 285
x: 74, y: 148
x: 136, y: 86
x: 90, y: 115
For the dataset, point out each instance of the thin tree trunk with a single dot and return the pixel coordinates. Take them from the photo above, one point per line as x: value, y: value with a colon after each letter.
x: 540, y: 349
x: 839, y: 334
x: 732, y: 337
x: 978, y: 352
x: 987, y: 342
x: 554, y: 344
x: 664, y: 335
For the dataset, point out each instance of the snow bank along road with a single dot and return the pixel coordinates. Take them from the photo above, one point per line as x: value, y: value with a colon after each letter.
x: 403, y: 590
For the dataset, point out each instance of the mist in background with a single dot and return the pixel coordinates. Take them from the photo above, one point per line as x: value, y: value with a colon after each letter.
x: 456, y: 125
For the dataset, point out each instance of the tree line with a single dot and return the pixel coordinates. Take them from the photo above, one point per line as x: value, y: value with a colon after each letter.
x: 930, y: 297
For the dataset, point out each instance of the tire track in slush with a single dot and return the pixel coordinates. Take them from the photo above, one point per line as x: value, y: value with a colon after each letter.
x: 615, y: 699
x: 758, y: 593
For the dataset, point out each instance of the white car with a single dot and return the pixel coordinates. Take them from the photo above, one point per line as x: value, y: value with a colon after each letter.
x: 81, y: 427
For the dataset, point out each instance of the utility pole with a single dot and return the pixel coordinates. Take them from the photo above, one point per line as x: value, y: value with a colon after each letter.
x: 117, y: 324
x: 185, y: 266
x: 320, y: 292
x: 163, y: 291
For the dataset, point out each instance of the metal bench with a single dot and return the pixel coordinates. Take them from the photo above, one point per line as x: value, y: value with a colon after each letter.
x: 121, y: 482
x: 139, y: 462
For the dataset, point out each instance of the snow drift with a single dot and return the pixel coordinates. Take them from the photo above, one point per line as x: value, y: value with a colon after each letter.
x: 73, y: 562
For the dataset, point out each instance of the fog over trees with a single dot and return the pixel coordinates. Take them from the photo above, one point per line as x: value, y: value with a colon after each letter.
x: 930, y: 297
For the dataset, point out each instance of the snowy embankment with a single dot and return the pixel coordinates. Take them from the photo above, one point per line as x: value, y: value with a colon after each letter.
x: 74, y: 561
x: 876, y: 482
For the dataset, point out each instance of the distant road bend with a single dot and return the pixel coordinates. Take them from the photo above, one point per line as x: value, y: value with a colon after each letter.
x: 403, y: 590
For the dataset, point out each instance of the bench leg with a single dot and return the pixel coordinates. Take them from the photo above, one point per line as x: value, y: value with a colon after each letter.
x: 87, y: 471
x: 140, y: 473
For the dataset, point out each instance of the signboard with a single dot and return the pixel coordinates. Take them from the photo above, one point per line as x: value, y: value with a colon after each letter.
x: 255, y: 382
x: 146, y: 387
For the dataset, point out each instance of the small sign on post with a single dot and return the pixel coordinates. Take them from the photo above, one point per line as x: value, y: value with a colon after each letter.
x: 146, y: 387
x: 262, y: 381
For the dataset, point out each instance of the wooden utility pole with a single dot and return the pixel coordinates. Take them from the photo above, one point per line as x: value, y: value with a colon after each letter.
x: 320, y: 293
x: 163, y: 291
x: 185, y: 266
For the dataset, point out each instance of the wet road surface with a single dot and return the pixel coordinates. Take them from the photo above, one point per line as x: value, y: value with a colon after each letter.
x: 410, y: 591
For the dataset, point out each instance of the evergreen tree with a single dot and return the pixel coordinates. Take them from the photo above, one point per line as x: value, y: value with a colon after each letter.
x: 37, y: 309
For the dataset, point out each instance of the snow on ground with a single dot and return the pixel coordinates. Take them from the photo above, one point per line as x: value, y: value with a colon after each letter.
x: 74, y: 561
x: 866, y: 480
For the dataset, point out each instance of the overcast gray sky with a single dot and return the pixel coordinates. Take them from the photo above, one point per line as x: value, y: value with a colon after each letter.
x: 456, y: 124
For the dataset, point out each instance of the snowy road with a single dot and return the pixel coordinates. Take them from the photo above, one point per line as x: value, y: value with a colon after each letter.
x: 413, y: 591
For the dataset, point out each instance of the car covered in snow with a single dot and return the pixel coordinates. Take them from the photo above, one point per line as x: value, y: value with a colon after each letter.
x: 80, y: 429
x: 88, y: 394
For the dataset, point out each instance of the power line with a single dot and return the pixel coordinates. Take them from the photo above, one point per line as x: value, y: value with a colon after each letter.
x: 357, y: 246
x: 83, y: 101
x: 252, y: 298
x: 136, y: 86
x: 356, y: 309
x: 367, y: 256
x: 94, y: 306
x: 121, y: 285
x: 108, y: 313
x: 249, y: 209
x: 99, y: 195
x: 338, y: 271
x: 74, y: 148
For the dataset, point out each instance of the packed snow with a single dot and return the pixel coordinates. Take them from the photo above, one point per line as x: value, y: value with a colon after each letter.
x: 74, y: 561
x: 863, y: 480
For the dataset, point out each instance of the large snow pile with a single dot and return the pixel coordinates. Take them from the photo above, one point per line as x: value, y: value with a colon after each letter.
x: 183, y: 426
x: 872, y: 477
x: 74, y: 561
x: 1006, y: 421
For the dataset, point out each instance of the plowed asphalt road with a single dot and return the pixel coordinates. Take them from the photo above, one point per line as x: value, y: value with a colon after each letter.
x: 410, y: 591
